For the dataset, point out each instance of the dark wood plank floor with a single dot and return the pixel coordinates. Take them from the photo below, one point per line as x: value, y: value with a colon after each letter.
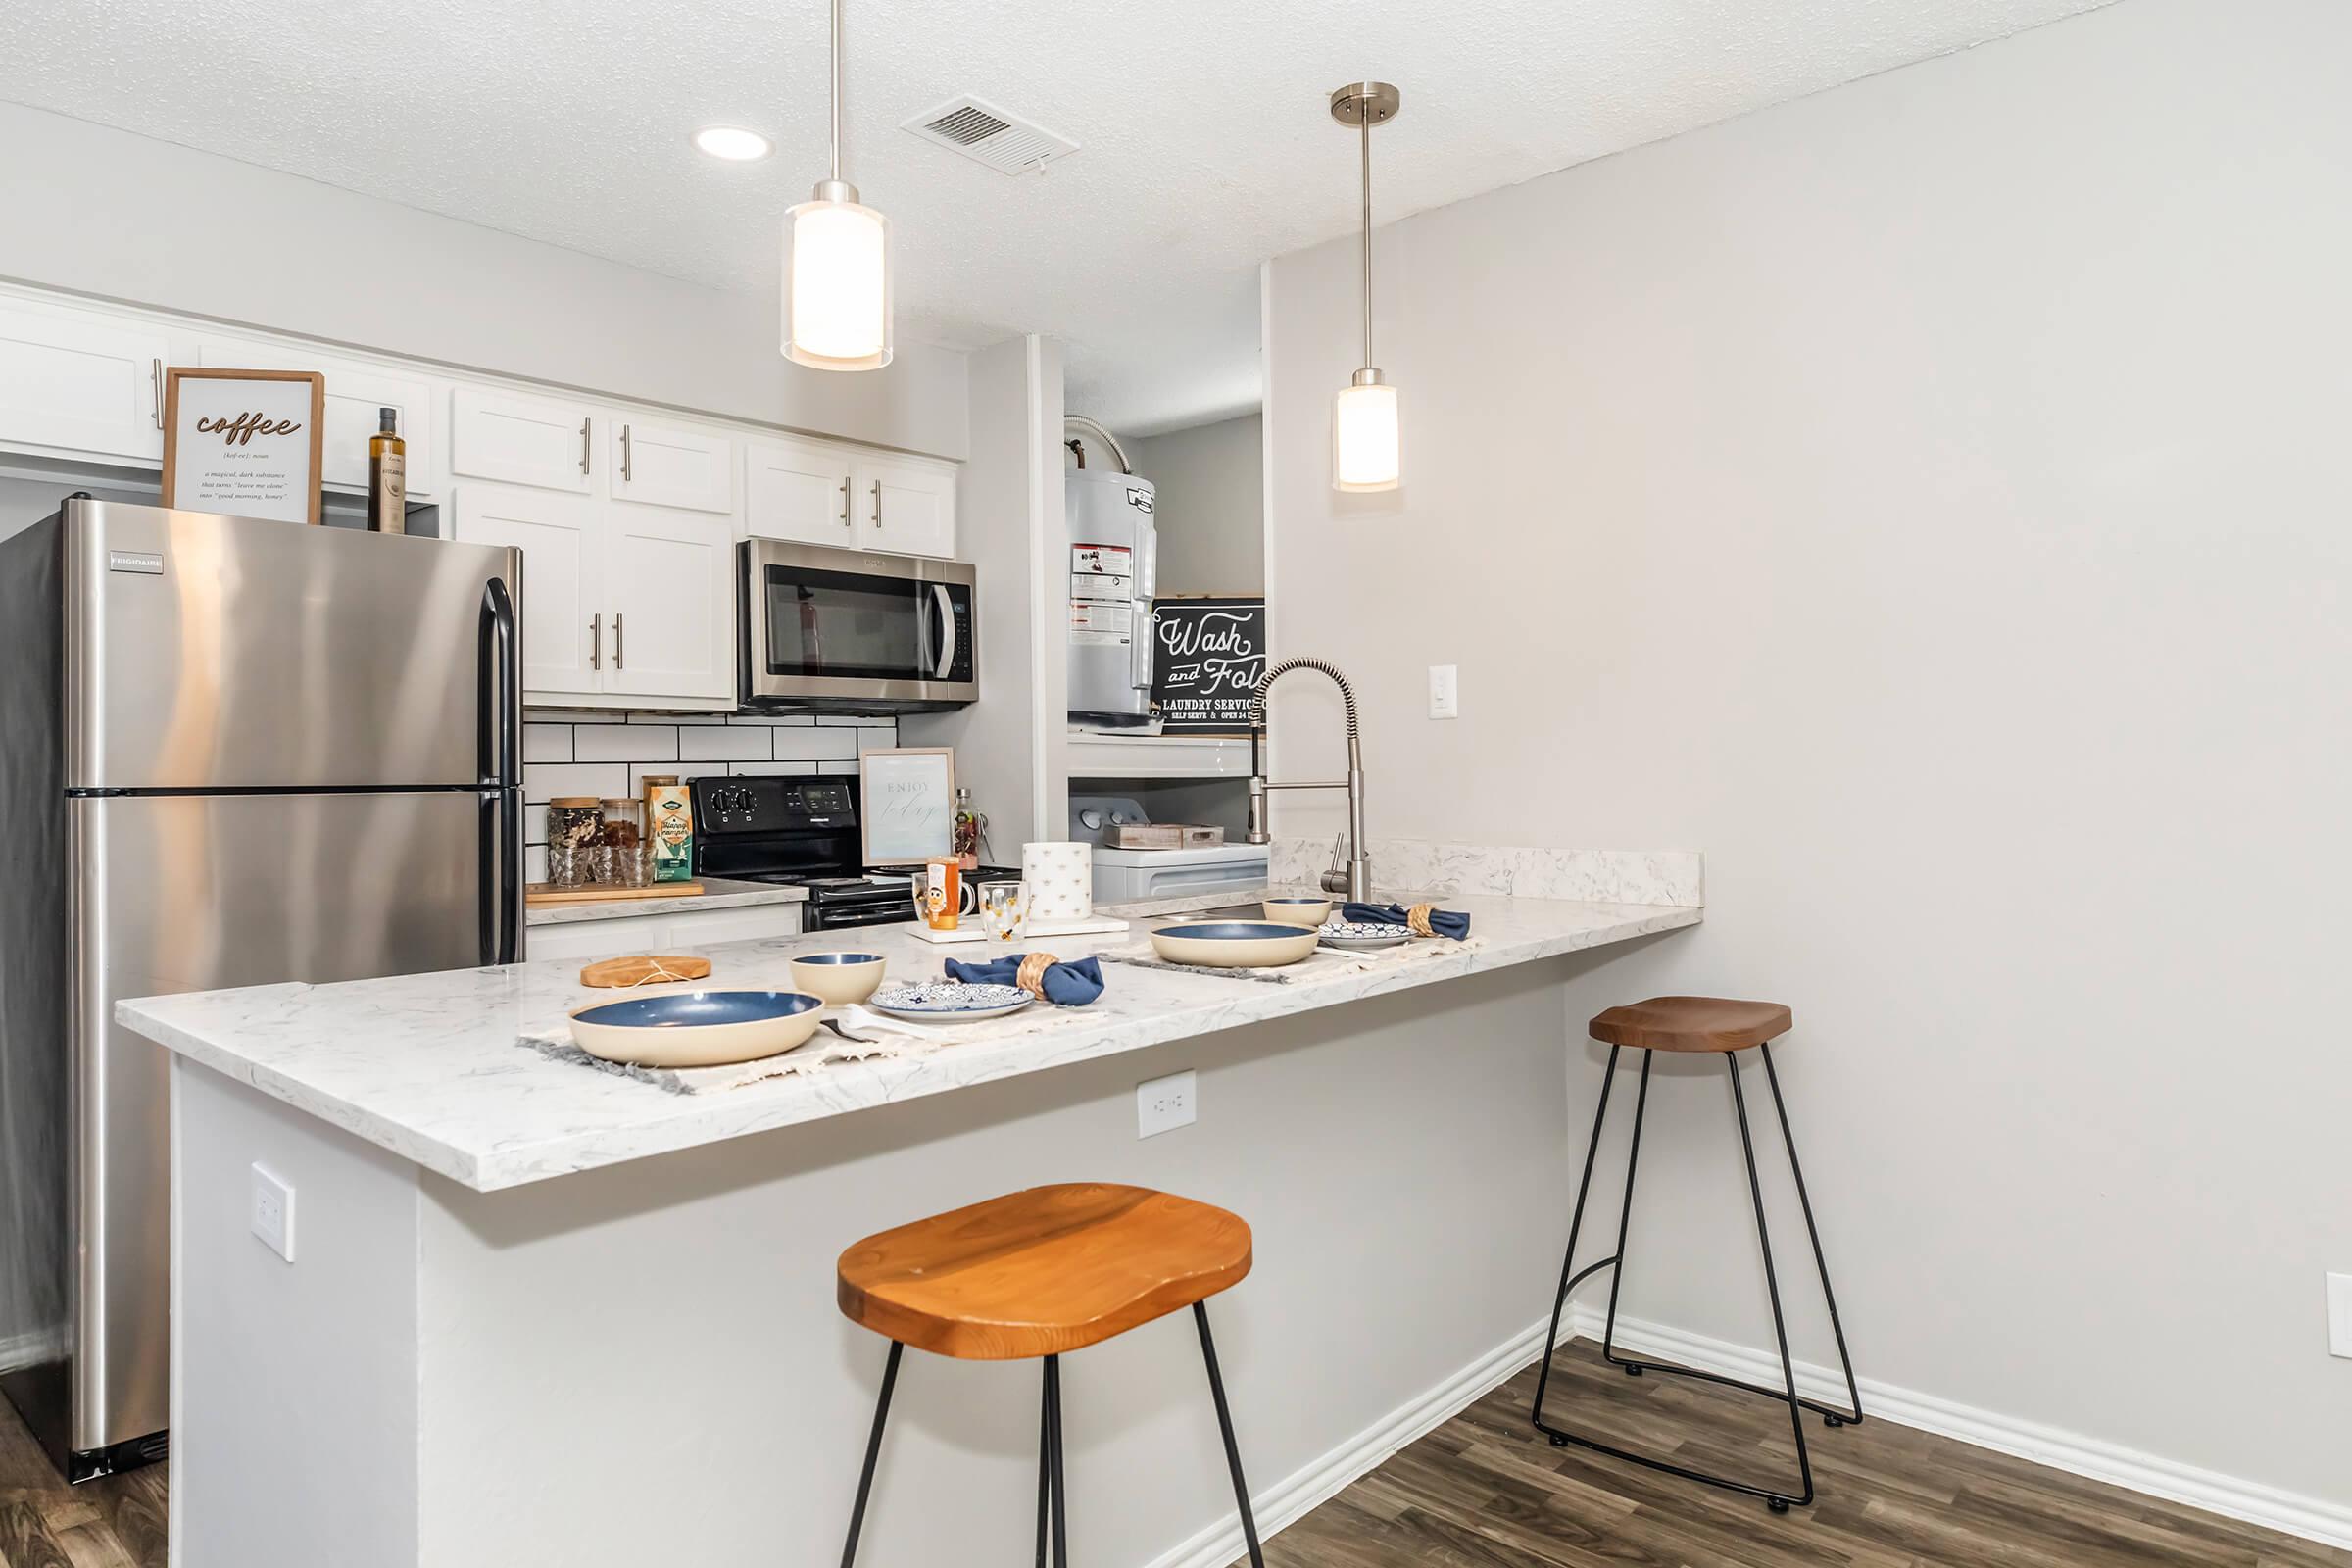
x: 1486, y: 1492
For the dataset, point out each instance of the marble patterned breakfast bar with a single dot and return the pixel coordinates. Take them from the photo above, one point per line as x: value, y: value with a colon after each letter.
x: 537, y: 1311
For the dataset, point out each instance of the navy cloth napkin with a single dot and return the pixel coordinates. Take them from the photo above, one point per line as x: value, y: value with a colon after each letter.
x: 1068, y: 985
x: 1445, y: 922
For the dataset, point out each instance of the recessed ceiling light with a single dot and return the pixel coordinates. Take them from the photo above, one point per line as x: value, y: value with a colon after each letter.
x: 733, y: 143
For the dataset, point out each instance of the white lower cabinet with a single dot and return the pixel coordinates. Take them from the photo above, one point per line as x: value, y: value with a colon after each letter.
x: 82, y: 383
x: 655, y: 934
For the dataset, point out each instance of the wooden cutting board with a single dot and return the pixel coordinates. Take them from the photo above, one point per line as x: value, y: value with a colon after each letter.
x: 540, y: 893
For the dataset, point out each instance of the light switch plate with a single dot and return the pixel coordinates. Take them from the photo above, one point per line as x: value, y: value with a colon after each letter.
x: 274, y: 1211
x: 1163, y: 1104
x: 2339, y: 1315
x: 1445, y: 698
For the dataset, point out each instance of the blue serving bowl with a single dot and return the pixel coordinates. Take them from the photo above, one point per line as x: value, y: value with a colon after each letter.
x: 696, y: 1028
x: 1234, y: 944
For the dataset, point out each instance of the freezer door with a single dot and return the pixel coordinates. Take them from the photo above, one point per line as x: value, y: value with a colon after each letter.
x: 205, y: 652
x: 192, y: 893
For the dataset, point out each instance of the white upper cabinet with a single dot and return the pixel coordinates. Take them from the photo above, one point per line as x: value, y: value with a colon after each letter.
x: 355, y: 393
x: 566, y: 630
x: 670, y: 584
x: 903, y: 504
x: 797, y: 490
x: 520, y: 440
x: 82, y: 383
x: 670, y: 464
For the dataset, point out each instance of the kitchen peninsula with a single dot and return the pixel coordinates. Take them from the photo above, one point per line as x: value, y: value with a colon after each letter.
x: 537, y: 1311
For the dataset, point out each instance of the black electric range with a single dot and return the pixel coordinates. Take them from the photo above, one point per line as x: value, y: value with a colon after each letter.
x: 801, y: 831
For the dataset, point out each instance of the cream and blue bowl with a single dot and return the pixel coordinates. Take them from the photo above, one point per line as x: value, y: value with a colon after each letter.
x: 1234, y: 944
x: 696, y: 1028
x: 1292, y: 910
x: 839, y: 979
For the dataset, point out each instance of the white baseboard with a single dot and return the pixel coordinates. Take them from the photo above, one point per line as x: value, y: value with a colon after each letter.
x: 1296, y: 1496
x: 2312, y: 1518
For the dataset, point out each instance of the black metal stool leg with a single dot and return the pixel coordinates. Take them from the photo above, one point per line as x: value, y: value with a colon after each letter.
x: 1576, y: 1222
x: 1777, y: 1503
x: 1625, y: 1220
x: 1061, y: 1531
x: 873, y: 1452
x: 1852, y: 1416
x: 1044, y: 1463
x: 1233, y: 1453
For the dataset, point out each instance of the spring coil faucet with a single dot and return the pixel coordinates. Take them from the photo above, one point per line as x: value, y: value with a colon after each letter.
x: 1357, y: 883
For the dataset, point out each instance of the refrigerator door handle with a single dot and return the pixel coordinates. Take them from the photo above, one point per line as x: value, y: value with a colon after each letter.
x: 500, y: 892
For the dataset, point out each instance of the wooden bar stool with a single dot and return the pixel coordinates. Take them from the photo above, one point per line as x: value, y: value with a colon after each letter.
x: 1699, y: 1024
x: 1041, y: 1273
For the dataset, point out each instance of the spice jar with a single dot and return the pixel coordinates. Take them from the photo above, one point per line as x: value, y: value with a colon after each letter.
x: 622, y: 856
x: 575, y: 830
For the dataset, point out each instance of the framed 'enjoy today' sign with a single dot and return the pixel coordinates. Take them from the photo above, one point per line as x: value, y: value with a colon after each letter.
x: 246, y: 442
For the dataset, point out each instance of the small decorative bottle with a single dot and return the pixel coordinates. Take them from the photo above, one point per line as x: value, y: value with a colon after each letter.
x: 967, y: 831
x: 387, y: 475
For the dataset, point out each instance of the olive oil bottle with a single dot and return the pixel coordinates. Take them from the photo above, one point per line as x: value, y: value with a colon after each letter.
x: 387, y: 475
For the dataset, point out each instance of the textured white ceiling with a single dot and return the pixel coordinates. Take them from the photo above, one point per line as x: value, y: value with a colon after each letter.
x: 1205, y: 144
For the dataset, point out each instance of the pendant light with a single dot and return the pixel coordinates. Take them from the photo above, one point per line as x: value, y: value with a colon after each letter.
x: 1363, y: 417
x: 836, y: 268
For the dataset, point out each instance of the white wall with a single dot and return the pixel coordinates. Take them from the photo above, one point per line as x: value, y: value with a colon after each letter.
x: 1008, y: 743
x: 105, y: 213
x: 1928, y: 498
x: 1210, y: 505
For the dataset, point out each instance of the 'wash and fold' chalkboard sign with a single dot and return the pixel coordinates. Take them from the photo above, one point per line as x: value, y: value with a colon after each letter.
x: 1206, y: 659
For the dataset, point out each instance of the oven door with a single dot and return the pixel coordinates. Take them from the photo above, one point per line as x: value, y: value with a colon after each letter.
x: 855, y: 631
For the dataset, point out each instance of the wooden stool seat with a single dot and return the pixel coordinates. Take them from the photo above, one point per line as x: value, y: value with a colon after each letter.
x: 1692, y: 1023
x: 1041, y: 1272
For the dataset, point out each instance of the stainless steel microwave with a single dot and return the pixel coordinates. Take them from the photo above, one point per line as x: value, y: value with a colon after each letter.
x: 853, y: 630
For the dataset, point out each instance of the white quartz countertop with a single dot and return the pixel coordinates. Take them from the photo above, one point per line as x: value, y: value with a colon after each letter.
x: 430, y: 1066
x: 719, y: 893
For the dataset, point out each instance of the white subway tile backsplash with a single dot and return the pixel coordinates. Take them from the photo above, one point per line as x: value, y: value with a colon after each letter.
x: 810, y: 745
x: 546, y: 742
x: 543, y: 780
x: 607, y: 755
x: 624, y: 743
x: 731, y: 744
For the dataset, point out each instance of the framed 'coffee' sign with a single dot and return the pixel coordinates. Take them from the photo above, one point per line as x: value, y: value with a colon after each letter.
x: 1208, y: 656
x: 246, y: 442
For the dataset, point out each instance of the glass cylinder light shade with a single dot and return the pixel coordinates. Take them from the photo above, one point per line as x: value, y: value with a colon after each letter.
x: 837, y: 286
x: 1363, y: 438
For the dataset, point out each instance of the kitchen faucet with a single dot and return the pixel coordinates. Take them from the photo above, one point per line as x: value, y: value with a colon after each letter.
x: 1358, y: 881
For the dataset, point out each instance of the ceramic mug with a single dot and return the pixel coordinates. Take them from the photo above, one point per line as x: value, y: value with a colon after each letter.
x: 1060, y: 877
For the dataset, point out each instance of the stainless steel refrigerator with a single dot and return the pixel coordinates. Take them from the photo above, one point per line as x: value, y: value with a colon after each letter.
x: 232, y: 752
x: 1114, y: 572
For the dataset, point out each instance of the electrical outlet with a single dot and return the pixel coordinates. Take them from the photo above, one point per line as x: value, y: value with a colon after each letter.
x: 274, y: 1211
x: 1164, y: 1104
x: 1443, y: 698
x: 2339, y: 1315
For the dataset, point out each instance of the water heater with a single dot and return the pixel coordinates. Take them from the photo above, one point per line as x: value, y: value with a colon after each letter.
x: 1114, y: 570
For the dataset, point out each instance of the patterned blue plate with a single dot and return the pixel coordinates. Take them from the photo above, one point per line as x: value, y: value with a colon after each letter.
x: 946, y: 999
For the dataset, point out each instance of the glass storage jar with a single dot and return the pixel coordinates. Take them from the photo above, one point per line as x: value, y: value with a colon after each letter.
x: 624, y: 857
x: 575, y: 830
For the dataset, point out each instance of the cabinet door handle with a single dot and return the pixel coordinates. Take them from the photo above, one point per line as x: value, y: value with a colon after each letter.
x: 155, y: 383
x: 624, y: 463
x: 877, y: 503
x: 583, y: 446
x: 620, y: 646
x: 844, y: 502
x: 596, y: 642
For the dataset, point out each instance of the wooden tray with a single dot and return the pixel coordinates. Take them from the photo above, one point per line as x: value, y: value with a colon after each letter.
x: 540, y: 893
x: 624, y: 973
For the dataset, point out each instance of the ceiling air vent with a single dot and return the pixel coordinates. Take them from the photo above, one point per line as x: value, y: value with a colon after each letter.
x: 983, y: 131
